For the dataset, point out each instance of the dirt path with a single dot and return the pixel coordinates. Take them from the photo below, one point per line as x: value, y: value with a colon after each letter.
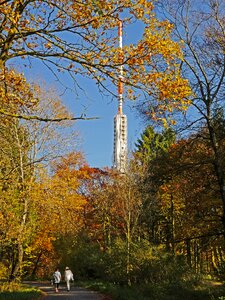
x: 76, y: 293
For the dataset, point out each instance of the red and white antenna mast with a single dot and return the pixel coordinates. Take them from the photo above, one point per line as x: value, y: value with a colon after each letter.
x: 120, y: 120
x: 120, y: 82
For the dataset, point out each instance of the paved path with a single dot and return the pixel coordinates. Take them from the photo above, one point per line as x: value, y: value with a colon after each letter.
x: 76, y: 293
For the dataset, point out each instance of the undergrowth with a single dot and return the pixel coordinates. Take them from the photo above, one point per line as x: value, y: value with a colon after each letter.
x: 13, y: 290
x: 170, y: 291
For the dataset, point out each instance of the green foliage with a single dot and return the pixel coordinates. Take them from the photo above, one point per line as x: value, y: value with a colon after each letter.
x: 11, y: 291
x: 148, y: 264
x: 83, y: 257
x: 156, y: 291
x: 116, y: 262
x: 3, y: 271
x: 152, y: 144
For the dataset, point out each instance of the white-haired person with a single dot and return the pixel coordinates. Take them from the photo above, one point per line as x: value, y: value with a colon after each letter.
x: 68, y: 275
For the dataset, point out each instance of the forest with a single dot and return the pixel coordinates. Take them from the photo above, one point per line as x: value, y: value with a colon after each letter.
x: 162, y: 221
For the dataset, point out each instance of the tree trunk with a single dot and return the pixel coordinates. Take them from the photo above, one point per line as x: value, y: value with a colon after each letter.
x: 33, y: 274
x: 218, y: 169
x: 188, y: 251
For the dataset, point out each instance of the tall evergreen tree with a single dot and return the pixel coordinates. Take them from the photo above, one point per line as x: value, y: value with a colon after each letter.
x: 152, y: 144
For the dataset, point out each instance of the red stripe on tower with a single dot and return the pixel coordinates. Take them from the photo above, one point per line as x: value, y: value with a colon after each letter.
x: 120, y: 81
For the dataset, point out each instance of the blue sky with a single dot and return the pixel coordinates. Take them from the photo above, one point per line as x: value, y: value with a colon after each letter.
x: 96, y: 135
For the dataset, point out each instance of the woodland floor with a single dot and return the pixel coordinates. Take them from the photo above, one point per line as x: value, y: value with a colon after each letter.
x: 210, y: 290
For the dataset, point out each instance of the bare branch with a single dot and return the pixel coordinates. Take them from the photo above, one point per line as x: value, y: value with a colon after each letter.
x: 27, y: 117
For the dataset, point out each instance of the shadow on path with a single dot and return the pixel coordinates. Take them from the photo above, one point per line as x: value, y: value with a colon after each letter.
x: 76, y: 293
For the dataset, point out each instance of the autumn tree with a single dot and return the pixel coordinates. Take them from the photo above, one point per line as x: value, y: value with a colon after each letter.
x: 58, y: 209
x: 81, y: 39
x: 16, y: 170
x: 15, y: 173
x: 111, y: 216
x: 200, y: 27
x: 189, y: 206
x: 116, y: 210
x: 26, y: 148
x: 99, y: 211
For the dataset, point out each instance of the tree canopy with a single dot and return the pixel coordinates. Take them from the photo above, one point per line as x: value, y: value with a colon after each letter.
x: 80, y: 37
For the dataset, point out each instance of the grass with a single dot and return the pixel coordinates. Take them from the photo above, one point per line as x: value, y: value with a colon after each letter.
x: 207, y: 290
x: 12, y: 291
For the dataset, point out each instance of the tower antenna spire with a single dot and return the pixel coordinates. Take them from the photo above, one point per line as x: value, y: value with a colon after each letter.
x: 120, y: 81
x: 120, y: 120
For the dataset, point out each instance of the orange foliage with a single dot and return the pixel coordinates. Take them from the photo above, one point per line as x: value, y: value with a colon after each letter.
x: 88, y: 47
x: 190, y: 193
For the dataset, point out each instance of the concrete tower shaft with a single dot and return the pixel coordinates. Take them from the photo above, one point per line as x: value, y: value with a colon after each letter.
x: 120, y: 142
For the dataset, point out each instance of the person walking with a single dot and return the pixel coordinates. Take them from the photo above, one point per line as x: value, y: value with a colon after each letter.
x: 56, y: 279
x: 68, y: 277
